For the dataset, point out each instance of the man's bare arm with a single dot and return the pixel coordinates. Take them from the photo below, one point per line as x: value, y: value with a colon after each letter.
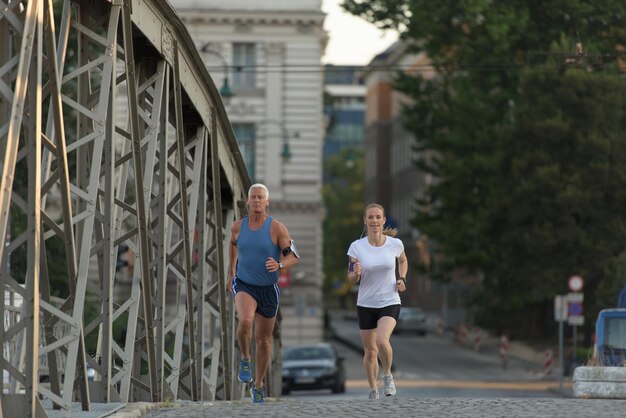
x: 284, y: 241
x: 233, y: 252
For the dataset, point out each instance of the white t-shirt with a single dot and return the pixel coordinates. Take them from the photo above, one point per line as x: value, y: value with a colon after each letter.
x: 378, y: 272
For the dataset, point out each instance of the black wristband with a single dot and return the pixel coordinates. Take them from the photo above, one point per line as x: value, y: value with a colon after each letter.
x: 403, y: 279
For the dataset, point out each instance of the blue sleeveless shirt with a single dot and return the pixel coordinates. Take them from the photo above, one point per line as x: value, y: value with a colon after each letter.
x: 253, y: 248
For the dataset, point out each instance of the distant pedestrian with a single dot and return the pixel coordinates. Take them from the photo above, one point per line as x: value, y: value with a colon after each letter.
x: 259, y: 247
x: 373, y: 264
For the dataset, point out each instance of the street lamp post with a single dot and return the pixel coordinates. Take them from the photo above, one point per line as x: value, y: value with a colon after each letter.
x: 225, y: 91
x: 285, y: 152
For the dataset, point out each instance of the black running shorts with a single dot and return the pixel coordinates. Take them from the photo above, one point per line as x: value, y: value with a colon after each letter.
x: 368, y: 317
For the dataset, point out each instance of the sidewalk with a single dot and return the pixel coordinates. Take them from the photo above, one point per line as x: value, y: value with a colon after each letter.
x: 399, y: 407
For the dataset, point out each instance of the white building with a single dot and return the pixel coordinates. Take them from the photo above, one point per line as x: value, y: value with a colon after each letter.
x: 270, y: 53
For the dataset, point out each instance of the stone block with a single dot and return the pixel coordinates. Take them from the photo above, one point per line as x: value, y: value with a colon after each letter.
x: 600, y: 382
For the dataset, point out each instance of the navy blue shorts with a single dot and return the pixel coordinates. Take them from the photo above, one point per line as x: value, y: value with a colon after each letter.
x: 368, y: 317
x: 266, y: 296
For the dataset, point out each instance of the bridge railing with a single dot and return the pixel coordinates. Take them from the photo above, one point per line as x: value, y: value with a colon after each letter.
x: 113, y: 134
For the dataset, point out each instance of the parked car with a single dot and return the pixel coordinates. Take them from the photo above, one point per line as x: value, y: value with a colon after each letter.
x: 610, y: 348
x: 411, y: 320
x: 313, y: 366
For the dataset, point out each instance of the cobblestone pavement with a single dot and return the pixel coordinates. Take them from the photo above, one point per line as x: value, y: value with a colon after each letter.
x: 399, y: 408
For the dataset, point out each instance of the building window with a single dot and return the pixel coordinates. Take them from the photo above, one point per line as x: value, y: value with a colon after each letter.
x: 244, y: 60
x: 245, y: 134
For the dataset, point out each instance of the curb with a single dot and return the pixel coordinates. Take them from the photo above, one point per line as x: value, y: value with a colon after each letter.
x: 517, y: 350
x: 566, y: 390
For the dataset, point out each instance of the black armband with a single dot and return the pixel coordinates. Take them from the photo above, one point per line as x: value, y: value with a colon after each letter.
x: 291, y: 249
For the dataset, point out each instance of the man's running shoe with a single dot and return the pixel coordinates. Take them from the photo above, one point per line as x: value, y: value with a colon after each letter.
x: 245, y: 371
x: 258, y: 395
x: 374, y: 394
x: 390, y: 387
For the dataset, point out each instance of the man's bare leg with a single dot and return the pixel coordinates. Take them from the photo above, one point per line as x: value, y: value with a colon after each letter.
x: 263, y: 330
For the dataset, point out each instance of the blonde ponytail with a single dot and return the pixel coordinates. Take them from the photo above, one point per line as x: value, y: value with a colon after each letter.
x: 390, y: 232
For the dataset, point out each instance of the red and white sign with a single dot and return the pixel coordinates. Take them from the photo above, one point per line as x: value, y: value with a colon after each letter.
x: 575, y: 283
x: 284, y: 279
x: 478, y: 335
x: 548, y: 362
x: 439, y: 328
x: 504, y: 346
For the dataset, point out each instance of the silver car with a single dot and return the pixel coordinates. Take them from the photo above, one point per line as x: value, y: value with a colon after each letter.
x: 411, y: 320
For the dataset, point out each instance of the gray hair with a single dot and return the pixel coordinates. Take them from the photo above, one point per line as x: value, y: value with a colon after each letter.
x: 259, y: 186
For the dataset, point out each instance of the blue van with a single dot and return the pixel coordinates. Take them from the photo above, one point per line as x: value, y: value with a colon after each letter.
x: 611, y: 337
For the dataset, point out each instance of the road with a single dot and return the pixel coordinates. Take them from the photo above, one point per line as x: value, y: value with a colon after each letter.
x: 434, y: 366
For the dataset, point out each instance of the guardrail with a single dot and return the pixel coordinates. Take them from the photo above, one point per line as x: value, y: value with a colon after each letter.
x: 113, y: 133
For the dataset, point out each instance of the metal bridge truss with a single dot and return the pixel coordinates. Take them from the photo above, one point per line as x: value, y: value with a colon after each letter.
x: 112, y: 134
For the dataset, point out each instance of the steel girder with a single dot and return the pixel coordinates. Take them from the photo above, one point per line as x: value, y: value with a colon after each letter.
x: 112, y: 133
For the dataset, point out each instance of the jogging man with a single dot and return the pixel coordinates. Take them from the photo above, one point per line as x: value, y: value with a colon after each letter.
x: 259, y: 247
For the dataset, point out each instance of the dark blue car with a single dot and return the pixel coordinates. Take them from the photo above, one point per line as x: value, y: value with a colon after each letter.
x: 611, y: 337
x: 314, y: 366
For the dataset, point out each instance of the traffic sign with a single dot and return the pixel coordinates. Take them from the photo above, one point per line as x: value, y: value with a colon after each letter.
x: 575, y: 283
x: 576, y: 320
x: 575, y: 309
x: 560, y: 308
x: 575, y: 297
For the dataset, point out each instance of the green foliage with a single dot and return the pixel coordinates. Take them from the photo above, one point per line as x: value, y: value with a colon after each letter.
x: 91, y: 312
x: 54, y: 246
x: 343, y: 199
x: 467, y: 121
x: 557, y: 209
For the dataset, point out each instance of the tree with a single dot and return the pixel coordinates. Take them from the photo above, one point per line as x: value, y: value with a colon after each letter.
x: 477, y: 50
x: 343, y: 199
x: 557, y: 207
x: 461, y: 118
